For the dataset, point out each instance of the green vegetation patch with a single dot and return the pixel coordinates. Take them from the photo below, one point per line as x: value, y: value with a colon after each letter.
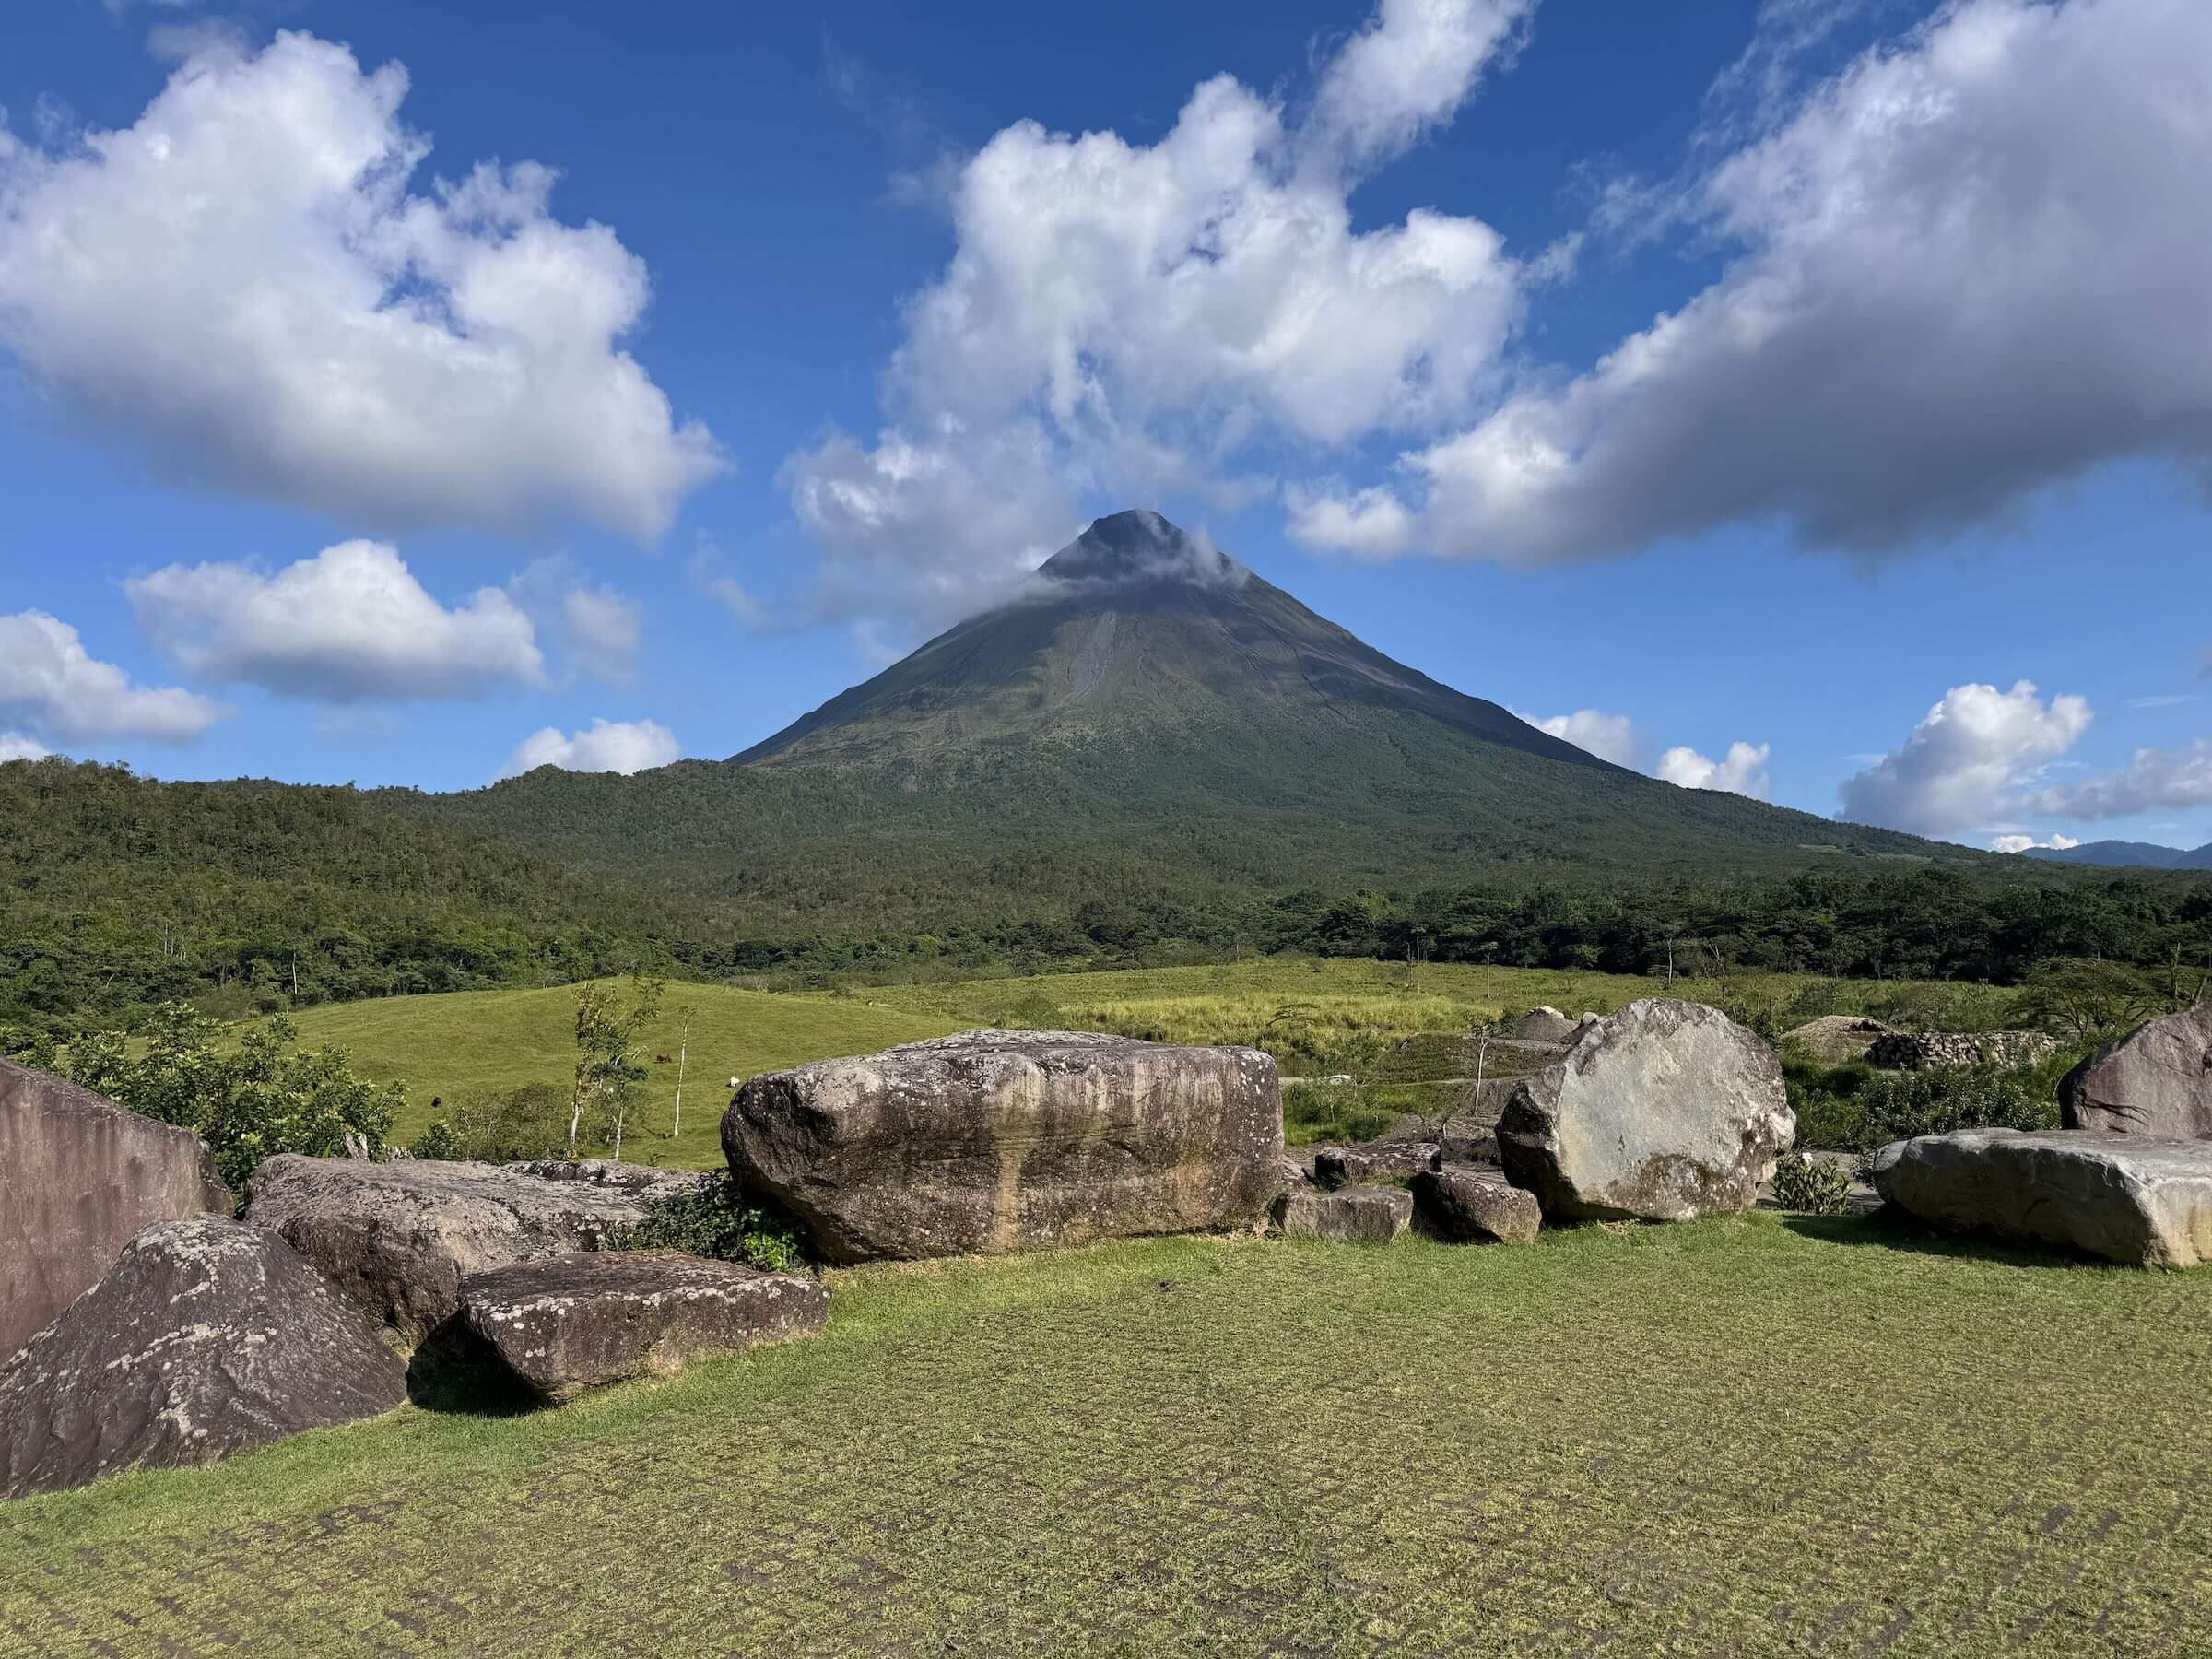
x: 1764, y: 1437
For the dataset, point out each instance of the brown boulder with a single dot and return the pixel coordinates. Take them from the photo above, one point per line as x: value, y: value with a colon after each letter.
x: 397, y: 1239
x: 206, y: 1337
x: 995, y: 1141
x: 1665, y: 1111
x: 1474, y: 1206
x: 2155, y: 1080
x: 80, y: 1178
x: 568, y: 1323
x: 1359, y: 1214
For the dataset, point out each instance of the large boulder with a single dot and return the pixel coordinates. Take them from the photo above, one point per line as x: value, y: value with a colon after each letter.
x: 2155, y: 1080
x: 397, y: 1239
x: 564, y: 1324
x: 1836, y: 1037
x: 995, y: 1141
x: 1474, y: 1206
x: 2133, y: 1198
x: 1543, y: 1025
x: 80, y: 1177
x: 206, y: 1337
x: 1359, y: 1214
x: 1663, y: 1111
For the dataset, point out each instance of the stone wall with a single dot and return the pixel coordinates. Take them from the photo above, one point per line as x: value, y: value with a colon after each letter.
x: 1919, y: 1050
x: 79, y: 1176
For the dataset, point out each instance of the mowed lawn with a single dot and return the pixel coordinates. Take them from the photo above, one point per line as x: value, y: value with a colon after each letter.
x: 1769, y: 1436
x: 469, y: 1044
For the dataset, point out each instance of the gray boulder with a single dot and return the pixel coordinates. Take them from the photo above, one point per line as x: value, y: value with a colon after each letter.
x: 2155, y: 1080
x: 1665, y: 1111
x: 206, y: 1337
x: 80, y: 1177
x: 1542, y: 1025
x: 1360, y: 1214
x: 397, y: 1239
x: 1474, y: 1206
x: 2133, y: 1198
x: 1372, y: 1161
x: 995, y: 1141
x: 564, y: 1324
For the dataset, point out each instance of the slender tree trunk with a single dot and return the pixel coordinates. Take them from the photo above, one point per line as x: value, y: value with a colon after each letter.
x: 683, y: 1052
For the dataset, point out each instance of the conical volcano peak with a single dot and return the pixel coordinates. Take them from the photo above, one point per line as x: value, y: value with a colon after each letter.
x: 1140, y: 545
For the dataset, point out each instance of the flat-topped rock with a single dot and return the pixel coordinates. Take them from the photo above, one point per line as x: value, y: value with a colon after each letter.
x: 397, y: 1239
x: 206, y: 1337
x: 995, y: 1141
x: 1663, y: 1111
x: 564, y: 1324
x: 1474, y: 1206
x: 1836, y: 1037
x: 80, y: 1178
x: 1372, y: 1161
x: 1360, y: 1214
x: 1542, y: 1025
x: 2133, y: 1198
x: 2156, y: 1080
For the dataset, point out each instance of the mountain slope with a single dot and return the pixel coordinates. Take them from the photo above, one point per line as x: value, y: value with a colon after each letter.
x: 1148, y: 720
x: 2126, y: 855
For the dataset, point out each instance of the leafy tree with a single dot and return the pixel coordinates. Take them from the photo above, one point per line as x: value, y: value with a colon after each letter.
x: 610, y: 1074
x: 263, y: 1096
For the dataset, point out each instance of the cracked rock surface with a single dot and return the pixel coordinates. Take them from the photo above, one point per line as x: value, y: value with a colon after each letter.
x: 206, y: 1337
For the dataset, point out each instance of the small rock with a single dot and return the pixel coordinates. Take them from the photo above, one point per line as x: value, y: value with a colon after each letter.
x: 2155, y: 1080
x: 1473, y: 1206
x: 564, y: 1324
x: 1363, y: 1215
x: 1372, y: 1161
x: 2133, y: 1198
x: 1542, y: 1025
x: 206, y: 1337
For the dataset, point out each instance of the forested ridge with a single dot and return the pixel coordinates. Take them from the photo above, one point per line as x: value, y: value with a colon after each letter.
x: 122, y: 892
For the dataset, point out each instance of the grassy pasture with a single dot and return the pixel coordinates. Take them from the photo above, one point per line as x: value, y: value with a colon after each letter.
x: 1761, y: 1437
x: 468, y: 1044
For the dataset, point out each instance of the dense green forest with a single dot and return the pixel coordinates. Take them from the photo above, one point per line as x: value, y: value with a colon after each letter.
x: 121, y: 892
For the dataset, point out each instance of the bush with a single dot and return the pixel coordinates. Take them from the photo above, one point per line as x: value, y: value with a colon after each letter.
x: 438, y: 1141
x: 1826, y: 1099
x: 1800, y: 1184
x: 1898, y: 1105
x: 715, y: 1220
x: 263, y: 1098
x: 528, y: 1122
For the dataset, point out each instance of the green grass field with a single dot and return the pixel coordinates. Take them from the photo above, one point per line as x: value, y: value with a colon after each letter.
x: 472, y: 1044
x: 1764, y: 1437
x: 1317, y: 1015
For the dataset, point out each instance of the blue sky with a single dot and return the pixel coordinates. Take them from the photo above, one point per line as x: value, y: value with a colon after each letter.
x: 1801, y: 398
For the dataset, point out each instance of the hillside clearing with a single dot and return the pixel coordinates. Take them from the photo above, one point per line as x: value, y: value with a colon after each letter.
x: 1769, y: 1437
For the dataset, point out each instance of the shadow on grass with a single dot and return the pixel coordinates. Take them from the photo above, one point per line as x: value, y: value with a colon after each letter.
x: 1890, y: 1229
x: 453, y: 1374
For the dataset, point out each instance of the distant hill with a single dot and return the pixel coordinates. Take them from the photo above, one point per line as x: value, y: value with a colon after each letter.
x: 1149, y: 718
x: 2126, y: 855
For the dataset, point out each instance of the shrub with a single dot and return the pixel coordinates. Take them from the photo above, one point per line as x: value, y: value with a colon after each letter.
x: 438, y: 1141
x: 1801, y: 1183
x: 1898, y: 1105
x: 1826, y: 1099
x: 713, y: 1220
x: 528, y: 1122
x: 262, y: 1098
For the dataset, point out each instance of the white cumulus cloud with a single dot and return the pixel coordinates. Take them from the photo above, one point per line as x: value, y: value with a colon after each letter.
x: 53, y: 688
x: 2152, y: 779
x: 14, y: 745
x: 607, y: 746
x: 1129, y: 318
x: 1742, y: 770
x: 242, y: 286
x: 1969, y: 266
x: 2023, y: 843
x: 1609, y: 736
x: 352, y: 623
x: 1968, y: 761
